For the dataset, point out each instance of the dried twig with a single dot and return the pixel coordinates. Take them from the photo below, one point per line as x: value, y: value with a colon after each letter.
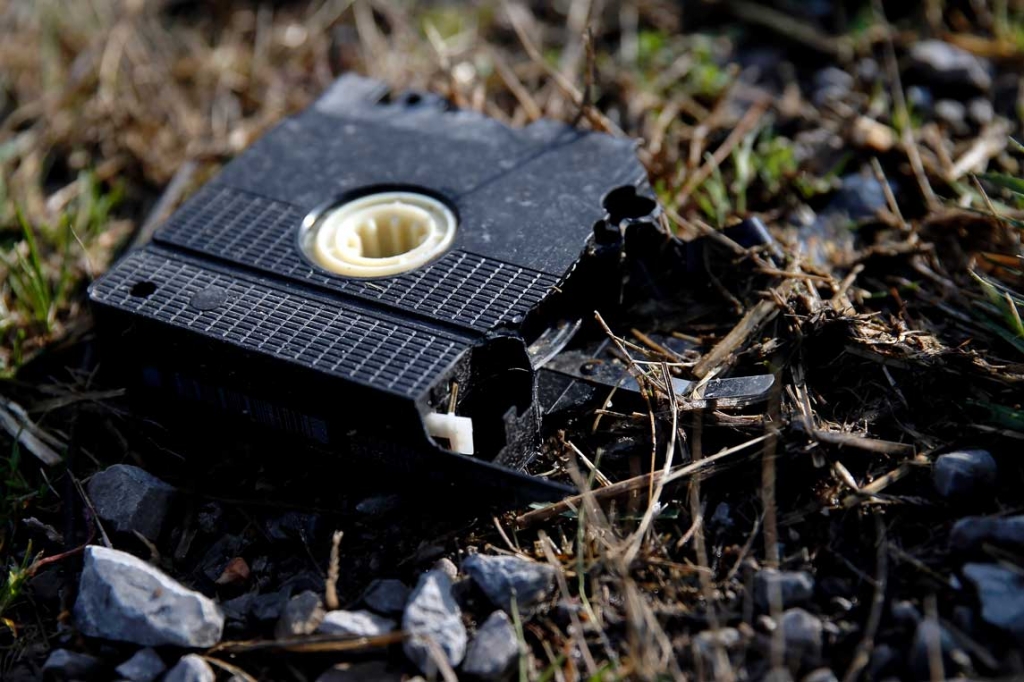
x: 310, y: 644
x: 862, y: 655
x: 37, y: 442
x: 633, y: 484
x: 744, y: 127
x: 333, y: 568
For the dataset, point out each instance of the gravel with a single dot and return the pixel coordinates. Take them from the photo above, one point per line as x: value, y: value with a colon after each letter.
x: 129, y: 499
x: 432, y: 614
x: 123, y: 598
x: 503, y: 578
x: 494, y: 650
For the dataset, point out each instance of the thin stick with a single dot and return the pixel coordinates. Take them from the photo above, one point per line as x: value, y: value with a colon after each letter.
x: 595, y: 117
x: 601, y: 478
x: 504, y: 536
x: 787, y: 25
x: 330, y: 587
x: 652, y: 503
x: 935, y: 668
x: 899, y: 99
x: 310, y: 644
x: 771, y: 531
x: 92, y: 510
x: 233, y: 670
x: 884, y: 447
x: 890, y: 198
x: 749, y: 324
x: 642, y: 380
x: 438, y: 658
x: 563, y: 588
x: 746, y: 124
x: 867, y: 644
x: 37, y: 442
x: 632, y: 484
x: 516, y: 87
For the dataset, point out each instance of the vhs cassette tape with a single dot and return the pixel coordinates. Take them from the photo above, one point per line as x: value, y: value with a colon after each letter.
x: 368, y: 279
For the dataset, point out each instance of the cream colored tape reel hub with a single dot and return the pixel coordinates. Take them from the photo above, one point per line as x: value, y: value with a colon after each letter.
x: 380, y: 235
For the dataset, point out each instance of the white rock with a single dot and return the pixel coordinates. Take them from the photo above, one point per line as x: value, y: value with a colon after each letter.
x: 191, y: 668
x: 123, y: 598
x: 432, y: 614
x: 355, y: 624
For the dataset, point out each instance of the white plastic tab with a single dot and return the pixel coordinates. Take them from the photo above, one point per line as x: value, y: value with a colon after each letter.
x: 457, y: 431
x: 380, y: 235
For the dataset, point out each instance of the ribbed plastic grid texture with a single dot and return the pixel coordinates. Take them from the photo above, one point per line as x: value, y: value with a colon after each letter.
x: 461, y: 288
x: 352, y: 344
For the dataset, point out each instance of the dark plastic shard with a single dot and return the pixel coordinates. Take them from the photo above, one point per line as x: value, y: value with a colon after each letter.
x: 608, y: 373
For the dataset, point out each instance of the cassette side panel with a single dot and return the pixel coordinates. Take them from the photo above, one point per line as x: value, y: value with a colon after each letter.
x: 460, y: 288
x: 350, y: 343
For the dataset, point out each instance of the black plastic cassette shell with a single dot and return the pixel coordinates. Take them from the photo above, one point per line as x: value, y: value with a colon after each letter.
x: 225, y: 271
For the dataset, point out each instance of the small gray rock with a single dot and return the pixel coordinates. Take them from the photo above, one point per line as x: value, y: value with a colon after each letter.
x: 795, y: 587
x: 949, y: 65
x: 953, y: 114
x: 355, y: 624
x: 219, y: 554
x: 860, y: 197
x: 291, y: 525
x: 722, y: 518
x: 832, y: 76
x: 831, y: 84
x: 387, y: 596
x: 62, y: 664
x: 379, y: 505
x: 433, y: 614
x: 502, y: 577
x: 886, y: 663
x: 302, y: 615
x: 191, y: 668
x: 820, y: 675
x: 494, y: 650
x: 920, y: 99
x: 964, y: 475
x: 1001, y: 595
x: 802, y: 633
x: 239, y: 607
x: 370, y: 671
x: 971, y: 532
x: 867, y: 70
x: 123, y: 598
x: 448, y: 566
x: 129, y: 499
x: 145, y: 666
x: 269, y: 606
x: 708, y: 642
x: 981, y: 111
